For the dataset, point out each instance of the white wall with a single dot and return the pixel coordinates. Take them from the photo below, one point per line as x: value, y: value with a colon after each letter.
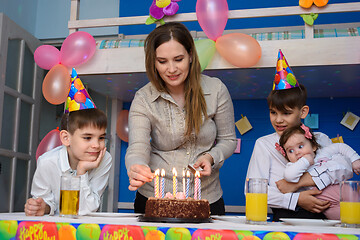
x: 53, y: 17
x: 22, y: 12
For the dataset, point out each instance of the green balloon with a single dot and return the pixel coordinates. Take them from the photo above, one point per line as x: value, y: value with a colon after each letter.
x: 205, y: 49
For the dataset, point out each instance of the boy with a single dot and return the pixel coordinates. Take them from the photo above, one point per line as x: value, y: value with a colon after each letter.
x: 287, y: 106
x: 83, y: 153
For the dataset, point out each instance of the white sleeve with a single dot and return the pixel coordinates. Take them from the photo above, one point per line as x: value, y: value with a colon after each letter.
x: 343, y: 149
x: 42, y: 183
x: 294, y: 171
x: 259, y: 167
x: 93, y: 184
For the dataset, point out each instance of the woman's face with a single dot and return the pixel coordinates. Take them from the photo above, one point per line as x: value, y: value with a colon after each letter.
x: 172, y: 63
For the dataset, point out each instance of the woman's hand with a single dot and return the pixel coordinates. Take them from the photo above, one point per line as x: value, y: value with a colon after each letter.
x: 138, y: 176
x: 205, y: 161
x: 310, y: 203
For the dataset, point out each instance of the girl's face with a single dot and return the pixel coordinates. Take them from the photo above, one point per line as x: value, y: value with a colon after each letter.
x: 297, y: 146
x: 282, y: 120
x: 173, y: 63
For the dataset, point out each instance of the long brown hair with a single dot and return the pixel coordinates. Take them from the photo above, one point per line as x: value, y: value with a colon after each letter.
x: 195, y: 104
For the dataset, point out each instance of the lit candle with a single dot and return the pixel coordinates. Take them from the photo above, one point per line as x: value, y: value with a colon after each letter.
x: 156, y: 184
x: 162, y: 184
x: 187, y: 183
x: 197, y: 186
x: 174, y: 182
x: 184, y: 183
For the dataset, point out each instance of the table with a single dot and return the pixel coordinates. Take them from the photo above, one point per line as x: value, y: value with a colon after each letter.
x: 106, y: 226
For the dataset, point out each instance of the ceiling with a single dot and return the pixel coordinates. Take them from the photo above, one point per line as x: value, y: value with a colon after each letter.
x: 321, y: 82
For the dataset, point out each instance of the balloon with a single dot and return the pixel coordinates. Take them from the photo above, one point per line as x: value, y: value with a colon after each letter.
x: 122, y: 128
x: 50, y: 141
x: 47, y: 56
x: 212, y: 16
x: 239, y: 49
x: 205, y: 49
x: 56, y: 84
x: 77, y: 48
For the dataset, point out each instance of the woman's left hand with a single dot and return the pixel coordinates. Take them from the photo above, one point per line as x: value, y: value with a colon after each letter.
x: 205, y: 161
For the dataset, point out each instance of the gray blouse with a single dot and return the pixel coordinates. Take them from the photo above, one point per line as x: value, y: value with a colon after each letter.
x: 156, y: 136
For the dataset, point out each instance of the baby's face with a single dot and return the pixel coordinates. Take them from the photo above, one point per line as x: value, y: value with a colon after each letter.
x: 297, y: 146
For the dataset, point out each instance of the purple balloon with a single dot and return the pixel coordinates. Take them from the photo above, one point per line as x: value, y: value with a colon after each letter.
x: 77, y: 48
x: 212, y: 16
x: 47, y: 56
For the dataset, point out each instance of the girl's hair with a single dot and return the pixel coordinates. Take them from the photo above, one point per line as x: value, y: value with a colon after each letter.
x: 296, y: 129
x: 82, y: 118
x: 195, y: 104
x: 292, y: 98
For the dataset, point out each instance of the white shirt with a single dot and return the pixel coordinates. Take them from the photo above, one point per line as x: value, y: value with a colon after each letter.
x: 266, y: 162
x: 54, y: 163
x: 324, y: 155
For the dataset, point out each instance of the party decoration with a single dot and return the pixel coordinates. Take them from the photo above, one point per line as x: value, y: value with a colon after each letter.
x: 78, y: 98
x: 122, y: 128
x: 309, y: 3
x: 350, y: 120
x: 47, y: 56
x: 337, y: 139
x: 160, y: 8
x: 284, y: 76
x: 50, y: 141
x: 243, y: 125
x: 310, y: 18
x: 212, y: 16
x: 56, y: 84
x: 77, y: 48
x: 312, y: 121
x: 205, y: 49
x: 239, y: 49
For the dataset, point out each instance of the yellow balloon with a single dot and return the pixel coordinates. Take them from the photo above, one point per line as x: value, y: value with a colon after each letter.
x: 162, y: 3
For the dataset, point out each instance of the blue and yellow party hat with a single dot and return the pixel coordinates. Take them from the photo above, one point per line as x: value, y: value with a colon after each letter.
x: 78, y: 97
x: 284, y: 76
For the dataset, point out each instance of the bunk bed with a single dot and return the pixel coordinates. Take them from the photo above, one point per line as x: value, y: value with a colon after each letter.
x: 322, y: 45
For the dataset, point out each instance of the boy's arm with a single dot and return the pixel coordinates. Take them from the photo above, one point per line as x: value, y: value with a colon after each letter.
x: 93, y: 184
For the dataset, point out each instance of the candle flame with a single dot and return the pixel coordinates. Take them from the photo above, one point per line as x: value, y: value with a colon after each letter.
x: 197, y: 174
x: 157, y: 172
x: 183, y: 173
x: 163, y: 172
x: 174, y: 172
x: 188, y: 173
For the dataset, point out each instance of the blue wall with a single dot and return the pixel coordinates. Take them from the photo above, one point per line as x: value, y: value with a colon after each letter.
x: 331, y: 112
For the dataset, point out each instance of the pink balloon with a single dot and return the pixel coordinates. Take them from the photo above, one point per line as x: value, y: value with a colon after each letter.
x: 212, y: 16
x: 122, y: 127
x: 47, y: 56
x: 239, y: 49
x: 50, y: 141
x: 77, y: 48
x: 56, y: 84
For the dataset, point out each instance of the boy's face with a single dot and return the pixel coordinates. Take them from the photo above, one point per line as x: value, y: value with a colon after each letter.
x: 297, y: 146
x: 86, y: 143
x: 282, y: 120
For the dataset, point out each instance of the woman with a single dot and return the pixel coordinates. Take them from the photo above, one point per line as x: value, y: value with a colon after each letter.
x: 181, y: 117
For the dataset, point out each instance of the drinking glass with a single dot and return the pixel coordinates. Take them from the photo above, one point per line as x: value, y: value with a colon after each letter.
x: 256, y: 200
x: 350, y: 204
x: 69, y: 196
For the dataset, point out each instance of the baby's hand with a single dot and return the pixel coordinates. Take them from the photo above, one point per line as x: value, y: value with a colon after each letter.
x: 356, y: 166
x: 310, y: 158
x: 84, y: 166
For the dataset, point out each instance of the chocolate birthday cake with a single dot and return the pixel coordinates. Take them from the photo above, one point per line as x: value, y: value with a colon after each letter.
x: 177, y: 208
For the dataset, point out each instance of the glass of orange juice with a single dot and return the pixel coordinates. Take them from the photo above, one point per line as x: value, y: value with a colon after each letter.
x: 69, y: 196
x: 350, y: 204
x: 256, y: 200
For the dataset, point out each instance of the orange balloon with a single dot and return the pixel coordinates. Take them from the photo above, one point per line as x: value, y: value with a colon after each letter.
x: 56, y: 84
x: 122, y: 127
x: 239, y: 49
